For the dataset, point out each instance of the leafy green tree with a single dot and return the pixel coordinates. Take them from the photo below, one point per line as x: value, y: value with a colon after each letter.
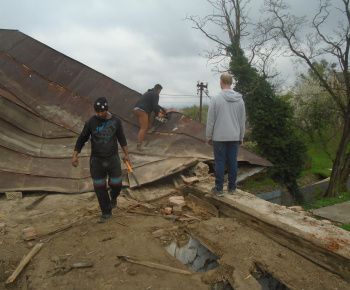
x: 270, y: 117
x: 316, y: 112
x: 193, y: 113
x: 271, y: 122
x: 322, y: 39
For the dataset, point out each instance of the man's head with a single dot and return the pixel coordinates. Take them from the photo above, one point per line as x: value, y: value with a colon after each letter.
x: 101, y: 107
x: 225, y: 81
x: 158, y: 88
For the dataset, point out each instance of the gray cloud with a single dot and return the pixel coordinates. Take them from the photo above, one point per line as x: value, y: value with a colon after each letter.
x: 137, y: 43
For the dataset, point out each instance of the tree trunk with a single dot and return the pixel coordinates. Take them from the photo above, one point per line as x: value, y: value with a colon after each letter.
x: 294, y: 190
x: 341, y: 165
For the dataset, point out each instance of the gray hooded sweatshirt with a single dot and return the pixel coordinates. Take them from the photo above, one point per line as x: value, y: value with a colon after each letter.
x: 226, y: 117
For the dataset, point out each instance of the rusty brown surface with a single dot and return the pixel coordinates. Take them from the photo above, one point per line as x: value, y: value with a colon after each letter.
x: 45, y: 98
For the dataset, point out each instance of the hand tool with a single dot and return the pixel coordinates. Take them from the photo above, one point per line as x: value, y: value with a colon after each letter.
x: 132, y: 173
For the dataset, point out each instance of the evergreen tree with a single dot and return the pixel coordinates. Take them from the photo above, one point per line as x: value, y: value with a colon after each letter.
x: 270, y: 119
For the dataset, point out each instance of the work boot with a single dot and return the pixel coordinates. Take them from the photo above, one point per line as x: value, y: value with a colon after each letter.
x: 217, y: 192
x: 103, y: 218
x: 231, y: 191
x: 114, y: 203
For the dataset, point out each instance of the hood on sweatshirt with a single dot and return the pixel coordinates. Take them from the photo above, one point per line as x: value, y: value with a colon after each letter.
x: 231, y: 95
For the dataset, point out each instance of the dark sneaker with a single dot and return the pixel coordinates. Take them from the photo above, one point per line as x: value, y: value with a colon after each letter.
x: 114, y: 203
x: 231, y: 191
x: 103, y: 218
x: 217, y: 192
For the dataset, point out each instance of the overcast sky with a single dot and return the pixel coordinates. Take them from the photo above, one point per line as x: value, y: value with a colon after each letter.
x: 136, y: 42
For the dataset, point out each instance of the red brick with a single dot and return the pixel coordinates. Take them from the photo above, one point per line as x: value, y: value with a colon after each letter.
x: 147, y: 207
x: 177, y: 201
x: 29, y: 233
x: 167, y: 210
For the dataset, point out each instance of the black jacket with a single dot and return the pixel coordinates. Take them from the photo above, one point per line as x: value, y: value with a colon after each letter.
x: 149, y: 102
x: 105, y: 135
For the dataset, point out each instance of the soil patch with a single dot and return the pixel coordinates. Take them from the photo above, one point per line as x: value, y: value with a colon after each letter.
x: 135, y: 232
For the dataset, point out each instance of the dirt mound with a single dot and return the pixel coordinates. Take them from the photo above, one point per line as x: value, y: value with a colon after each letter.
x: 67, y: 226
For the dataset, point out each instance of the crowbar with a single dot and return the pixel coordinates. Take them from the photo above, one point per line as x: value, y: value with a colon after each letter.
x: 132, y: 173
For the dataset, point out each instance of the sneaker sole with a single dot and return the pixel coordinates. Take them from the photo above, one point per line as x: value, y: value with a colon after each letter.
x: 217, y: 194
x: 103, y: 221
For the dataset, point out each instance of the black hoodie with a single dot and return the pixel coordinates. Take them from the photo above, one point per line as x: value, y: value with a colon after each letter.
x: 149, y: 102
x: 105, y: 135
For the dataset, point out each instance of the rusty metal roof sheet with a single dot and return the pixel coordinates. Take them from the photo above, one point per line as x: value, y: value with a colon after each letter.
x: 45, y: 98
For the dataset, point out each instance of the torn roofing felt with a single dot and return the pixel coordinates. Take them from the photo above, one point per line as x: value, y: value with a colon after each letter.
x: 45, y: 99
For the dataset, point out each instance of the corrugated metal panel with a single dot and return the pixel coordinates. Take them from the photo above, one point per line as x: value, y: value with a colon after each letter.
x: 45, y: 99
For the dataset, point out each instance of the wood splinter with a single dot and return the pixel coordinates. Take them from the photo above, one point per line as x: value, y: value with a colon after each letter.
x: 154, y: 265
x: 23, y: 263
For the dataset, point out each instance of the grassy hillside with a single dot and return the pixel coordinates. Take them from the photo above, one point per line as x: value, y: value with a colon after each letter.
x: 321, y: 162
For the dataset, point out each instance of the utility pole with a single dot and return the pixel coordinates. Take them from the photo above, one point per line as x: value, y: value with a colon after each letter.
x: 200, y: 88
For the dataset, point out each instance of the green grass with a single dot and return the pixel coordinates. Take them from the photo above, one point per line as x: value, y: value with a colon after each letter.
x: 345, y: 227
x: 260, y: 183
x: 343, y: 197
x: 321, y: 163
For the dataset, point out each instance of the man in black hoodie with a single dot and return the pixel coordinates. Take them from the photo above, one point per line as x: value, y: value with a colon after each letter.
x: 106, y: 131
x: 144, y: 109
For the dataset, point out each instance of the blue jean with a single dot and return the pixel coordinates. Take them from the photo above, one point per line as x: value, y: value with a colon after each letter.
x: 225, y: 151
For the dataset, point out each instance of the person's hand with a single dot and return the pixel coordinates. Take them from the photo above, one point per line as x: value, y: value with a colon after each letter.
x: 75, y: 161
x: 240, y: 142
x: 127, y: 159
x: 209, y: 142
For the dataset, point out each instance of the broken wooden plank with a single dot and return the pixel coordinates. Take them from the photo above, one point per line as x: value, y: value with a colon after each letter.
x: 24, y: 262
x: 154, y: 265
x: 209, y: 207
x: 299, y: 240
x: 190, y: 180
x: 36, y: 201
x: 243, y: 280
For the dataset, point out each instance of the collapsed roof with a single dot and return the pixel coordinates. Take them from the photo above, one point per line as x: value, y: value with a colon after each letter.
x: 45, y: 98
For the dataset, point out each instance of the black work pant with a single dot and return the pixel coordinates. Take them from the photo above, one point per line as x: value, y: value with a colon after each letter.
x: 100, y: 168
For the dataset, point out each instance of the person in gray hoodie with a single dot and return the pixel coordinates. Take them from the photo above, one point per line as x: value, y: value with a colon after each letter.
x: 225, y: 131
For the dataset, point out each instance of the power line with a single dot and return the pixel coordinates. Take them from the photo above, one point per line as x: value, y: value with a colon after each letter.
x: 183, y: 96
x: 177, y: 95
